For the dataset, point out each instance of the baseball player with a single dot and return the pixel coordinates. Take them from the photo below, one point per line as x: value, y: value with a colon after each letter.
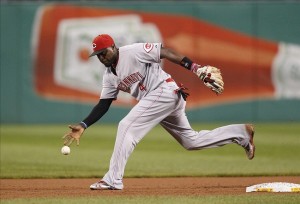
x: 136, y: 69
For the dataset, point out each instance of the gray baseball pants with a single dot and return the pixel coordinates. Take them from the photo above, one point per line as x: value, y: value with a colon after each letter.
x: 163, y: 106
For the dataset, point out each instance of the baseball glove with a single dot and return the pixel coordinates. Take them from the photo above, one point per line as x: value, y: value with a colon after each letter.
x: 211, y: 77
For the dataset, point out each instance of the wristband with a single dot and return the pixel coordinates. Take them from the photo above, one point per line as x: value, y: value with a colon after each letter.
x: 186, y: 63
x: 83, y: 125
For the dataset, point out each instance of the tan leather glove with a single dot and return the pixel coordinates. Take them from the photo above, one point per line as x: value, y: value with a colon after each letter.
x: 211, y: 77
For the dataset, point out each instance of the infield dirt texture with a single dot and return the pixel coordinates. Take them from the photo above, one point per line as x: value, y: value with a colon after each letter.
x: 185, y: 186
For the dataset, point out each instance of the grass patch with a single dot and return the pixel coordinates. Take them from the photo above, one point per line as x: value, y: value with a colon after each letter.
x: 291, y: 198
x: 33, y: 151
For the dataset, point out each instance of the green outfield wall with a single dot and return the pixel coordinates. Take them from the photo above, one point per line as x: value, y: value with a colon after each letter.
x: 270, y: 22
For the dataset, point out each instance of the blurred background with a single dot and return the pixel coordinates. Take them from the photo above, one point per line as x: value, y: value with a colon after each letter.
x: 47, y: 77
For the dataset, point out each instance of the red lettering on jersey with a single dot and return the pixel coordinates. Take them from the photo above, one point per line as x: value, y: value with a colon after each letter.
x: 142, y: 87
x: 148, y: 47
x: 127, y: 82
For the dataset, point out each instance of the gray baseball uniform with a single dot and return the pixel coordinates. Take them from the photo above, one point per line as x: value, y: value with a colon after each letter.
x: 139, y: 73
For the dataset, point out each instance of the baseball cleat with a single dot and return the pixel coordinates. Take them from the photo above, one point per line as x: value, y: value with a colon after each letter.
x: 250, y: 148
x: 101, y: 185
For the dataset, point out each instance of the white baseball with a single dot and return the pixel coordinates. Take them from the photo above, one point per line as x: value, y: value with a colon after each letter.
x: 65, y: 150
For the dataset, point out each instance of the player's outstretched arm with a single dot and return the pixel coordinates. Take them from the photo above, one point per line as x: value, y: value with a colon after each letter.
x: 77, y: 130
x: 211, y: 76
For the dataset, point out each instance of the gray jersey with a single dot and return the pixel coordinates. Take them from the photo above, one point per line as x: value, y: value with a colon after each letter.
x: 138, y: 71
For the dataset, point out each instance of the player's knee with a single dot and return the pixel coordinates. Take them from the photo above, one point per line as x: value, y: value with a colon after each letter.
x: 123, y: 124
x: 124, y: 130
x: 189, y: 148
x: 186, y: 146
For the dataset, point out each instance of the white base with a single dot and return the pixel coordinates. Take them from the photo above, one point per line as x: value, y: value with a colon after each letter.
x: 274, y: 187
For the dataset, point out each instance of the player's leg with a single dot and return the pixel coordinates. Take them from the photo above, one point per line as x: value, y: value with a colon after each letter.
x: 179, y: 127
x: 140, y: 120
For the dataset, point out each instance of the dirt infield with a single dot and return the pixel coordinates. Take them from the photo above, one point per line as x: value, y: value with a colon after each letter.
x: 38, y: 188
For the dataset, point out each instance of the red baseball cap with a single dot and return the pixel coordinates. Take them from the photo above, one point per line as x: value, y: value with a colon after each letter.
x: 100, y: 43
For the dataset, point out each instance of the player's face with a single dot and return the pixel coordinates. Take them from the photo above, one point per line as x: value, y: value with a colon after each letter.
x: 108, y: 56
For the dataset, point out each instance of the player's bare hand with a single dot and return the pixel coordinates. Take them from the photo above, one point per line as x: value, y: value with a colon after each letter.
x: 211, y: 77
x: 75, y: 134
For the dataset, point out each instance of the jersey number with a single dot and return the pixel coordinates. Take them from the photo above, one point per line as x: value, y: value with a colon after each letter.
x: 142, y: 87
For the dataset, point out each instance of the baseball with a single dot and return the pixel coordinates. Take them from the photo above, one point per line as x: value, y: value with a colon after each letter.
x: 65, y: 150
